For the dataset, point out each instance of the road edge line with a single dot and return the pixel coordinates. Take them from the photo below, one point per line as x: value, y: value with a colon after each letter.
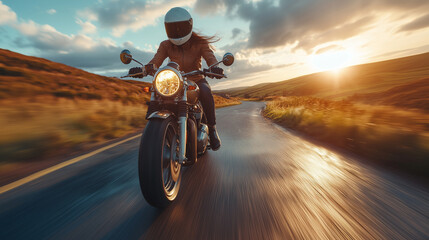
x: 54, y: 168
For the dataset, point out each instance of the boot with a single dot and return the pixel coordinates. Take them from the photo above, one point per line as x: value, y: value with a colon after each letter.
x: 214, y: 138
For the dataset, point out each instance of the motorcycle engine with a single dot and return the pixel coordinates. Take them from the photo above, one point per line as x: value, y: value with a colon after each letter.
x: 202, y: 138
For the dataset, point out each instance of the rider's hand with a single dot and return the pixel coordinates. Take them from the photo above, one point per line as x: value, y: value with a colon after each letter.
x: 150, y: 69
x: 135, y: 70
x: 217, y: 70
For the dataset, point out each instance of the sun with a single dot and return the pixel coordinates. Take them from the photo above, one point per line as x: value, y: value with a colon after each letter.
x: 332, y: 60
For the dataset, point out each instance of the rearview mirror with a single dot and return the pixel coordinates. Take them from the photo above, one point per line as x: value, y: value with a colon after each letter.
x: 126, y: 56
x: 228, y: 59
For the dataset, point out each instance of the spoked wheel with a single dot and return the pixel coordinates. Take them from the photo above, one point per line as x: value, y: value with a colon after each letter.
x: 170, y: 165
x: 159, y: 170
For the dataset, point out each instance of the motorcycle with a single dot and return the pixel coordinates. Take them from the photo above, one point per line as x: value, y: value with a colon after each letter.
x: 176, y: 134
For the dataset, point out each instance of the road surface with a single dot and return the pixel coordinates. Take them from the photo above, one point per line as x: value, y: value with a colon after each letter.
x: 264, y: 183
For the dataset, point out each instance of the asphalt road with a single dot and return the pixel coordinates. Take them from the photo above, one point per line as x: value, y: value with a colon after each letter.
x: 264, y: 183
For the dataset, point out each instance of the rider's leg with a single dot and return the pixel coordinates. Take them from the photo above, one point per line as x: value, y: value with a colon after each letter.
x: 206, y: 98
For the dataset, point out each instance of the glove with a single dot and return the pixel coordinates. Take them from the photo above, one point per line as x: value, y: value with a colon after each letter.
x: 137, y: 70
x: 217, y: 70
x: 150, y: 69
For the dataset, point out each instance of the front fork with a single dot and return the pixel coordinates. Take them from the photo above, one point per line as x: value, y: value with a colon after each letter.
x: 183, y: 119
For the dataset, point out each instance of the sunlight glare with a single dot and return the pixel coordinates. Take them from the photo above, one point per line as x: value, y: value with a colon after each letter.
x: 332, y: 60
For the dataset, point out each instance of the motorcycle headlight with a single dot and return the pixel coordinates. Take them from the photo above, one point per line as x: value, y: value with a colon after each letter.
x: 167, y: 83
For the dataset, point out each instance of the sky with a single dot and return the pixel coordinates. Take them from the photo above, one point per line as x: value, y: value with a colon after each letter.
x: 272, y: 40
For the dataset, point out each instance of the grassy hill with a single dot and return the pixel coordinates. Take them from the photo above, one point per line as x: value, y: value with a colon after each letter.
x: 378, y: 110
x: 24, y: 77
x: 360, y: 79
x: 413, y: 94
x: 50, y: 109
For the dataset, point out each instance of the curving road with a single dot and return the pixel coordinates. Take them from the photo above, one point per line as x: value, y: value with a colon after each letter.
x: 264, y: 183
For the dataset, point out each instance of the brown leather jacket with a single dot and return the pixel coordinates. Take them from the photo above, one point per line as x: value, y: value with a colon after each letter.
x: 188, y: 56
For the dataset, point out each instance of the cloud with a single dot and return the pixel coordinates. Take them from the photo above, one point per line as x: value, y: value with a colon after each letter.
x: 329, y: 48
x: 102, y: 58
x: 244, y: 67
x: 87, y: 27
x: 305, y: 23
x: 418, y: 23
x: 79, y: 50
x: 6, y: 14
x: 51, y: 11
x: 121, y: 16
x: 236, y: 32
x: 101, y: 54
x: 247, y: 61
x: 47, y: 38
x: 310, y: 41
x: 206, y: 7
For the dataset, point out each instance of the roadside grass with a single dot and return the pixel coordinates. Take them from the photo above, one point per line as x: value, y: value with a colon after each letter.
x: 45, y: 126
x: 396, y: 138
x: 221, y: 102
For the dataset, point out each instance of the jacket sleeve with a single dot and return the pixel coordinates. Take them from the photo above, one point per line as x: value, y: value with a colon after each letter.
x: 160, y: 55
x: 208, y: 55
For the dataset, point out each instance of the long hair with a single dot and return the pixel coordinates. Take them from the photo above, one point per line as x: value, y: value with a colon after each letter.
x: 201, y: 39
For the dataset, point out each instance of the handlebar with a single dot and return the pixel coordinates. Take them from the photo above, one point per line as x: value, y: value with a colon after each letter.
x: 132, y: 75
x: 206, y: 73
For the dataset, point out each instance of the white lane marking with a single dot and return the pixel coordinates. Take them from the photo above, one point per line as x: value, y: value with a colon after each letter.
x: 41, y: 173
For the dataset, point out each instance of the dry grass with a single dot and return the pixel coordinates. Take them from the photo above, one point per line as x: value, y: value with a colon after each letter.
x: 50, y: 108
x: 395, y: 137
x: 49, y: 126
x: 221, y: 101
x: 411, y: 95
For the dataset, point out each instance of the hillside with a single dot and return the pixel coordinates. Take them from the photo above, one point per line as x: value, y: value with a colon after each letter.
x: 24, y: 77
x: 359, y: 79
x: 414, y: 94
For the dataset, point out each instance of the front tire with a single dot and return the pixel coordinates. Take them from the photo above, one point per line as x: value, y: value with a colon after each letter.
x: 159, y: 170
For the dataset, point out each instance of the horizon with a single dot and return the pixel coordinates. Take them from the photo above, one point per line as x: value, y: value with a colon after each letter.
x: 90, y: 34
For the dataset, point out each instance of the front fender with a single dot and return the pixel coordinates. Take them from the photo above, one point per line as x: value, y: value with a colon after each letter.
x: 163, y: 114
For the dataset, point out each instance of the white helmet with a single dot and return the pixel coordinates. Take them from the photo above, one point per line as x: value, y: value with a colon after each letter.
x: 178, y: 25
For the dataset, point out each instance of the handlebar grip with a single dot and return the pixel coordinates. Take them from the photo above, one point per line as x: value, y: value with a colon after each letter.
x: 212, y: 75
x: 133, y: 75
x: 209, y: 74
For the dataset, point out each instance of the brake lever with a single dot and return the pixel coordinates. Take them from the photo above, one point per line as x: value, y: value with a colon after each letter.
x: 218, y: 75
x: 132, y: 75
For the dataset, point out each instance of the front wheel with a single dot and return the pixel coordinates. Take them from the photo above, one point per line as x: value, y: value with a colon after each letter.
x: 159, y: 169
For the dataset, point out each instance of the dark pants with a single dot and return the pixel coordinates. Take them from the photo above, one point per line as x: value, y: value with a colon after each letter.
x: 206, y: 98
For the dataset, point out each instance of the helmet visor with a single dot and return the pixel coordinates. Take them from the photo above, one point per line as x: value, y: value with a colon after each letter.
x: 178, y: 29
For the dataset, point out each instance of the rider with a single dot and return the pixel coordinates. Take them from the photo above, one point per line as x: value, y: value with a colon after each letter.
x: 186, y: 48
